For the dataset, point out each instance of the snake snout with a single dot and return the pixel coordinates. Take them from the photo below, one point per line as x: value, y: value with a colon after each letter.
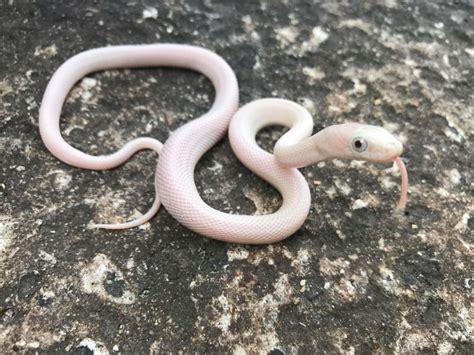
x: 394, y: 149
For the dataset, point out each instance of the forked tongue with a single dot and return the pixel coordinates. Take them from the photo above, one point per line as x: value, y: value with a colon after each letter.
x: 402, y: 203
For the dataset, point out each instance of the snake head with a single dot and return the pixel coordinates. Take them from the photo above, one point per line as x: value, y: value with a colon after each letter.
x: 373, y: 144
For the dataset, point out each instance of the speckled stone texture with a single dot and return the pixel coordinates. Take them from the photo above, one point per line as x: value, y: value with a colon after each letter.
x: 357, y: 278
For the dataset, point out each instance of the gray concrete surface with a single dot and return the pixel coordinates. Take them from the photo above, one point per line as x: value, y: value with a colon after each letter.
x: 357, y: 278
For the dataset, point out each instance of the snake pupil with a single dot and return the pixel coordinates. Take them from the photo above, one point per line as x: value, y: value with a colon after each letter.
x: 359, y: 144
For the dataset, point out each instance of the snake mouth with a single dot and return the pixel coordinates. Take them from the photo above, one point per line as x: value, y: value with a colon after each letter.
x: 402, y: 202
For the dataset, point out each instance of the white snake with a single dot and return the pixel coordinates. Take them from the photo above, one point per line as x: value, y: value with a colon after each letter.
x: 175, y: 185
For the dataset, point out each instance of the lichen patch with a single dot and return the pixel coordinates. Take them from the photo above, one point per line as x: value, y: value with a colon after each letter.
x: 46, y: 52
x: 96, y: 275
x: 263, y: 312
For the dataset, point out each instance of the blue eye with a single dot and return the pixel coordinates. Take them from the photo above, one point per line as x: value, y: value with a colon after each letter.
x: 359, y: 144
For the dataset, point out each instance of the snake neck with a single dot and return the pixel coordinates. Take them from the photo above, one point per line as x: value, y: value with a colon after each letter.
x: 332, y: 142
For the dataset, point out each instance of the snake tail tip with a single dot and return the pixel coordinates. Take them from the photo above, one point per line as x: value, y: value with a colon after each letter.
x: 93, y: 226
x: 98, y: 226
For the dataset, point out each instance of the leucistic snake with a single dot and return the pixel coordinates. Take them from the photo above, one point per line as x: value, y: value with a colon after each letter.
x: 174, y: 181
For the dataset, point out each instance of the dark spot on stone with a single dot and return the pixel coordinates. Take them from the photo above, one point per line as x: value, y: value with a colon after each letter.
x: 113, y: 285
x: 422, y: 213
x: 263, y: 283
x: 276, y: 351
x: 365, y: 218
x: 29, y: 284
x: 432, y: 314
x: 314, y: 293
x: 463, y: 35
x: 428, y: 177
x: 453, y: 60
x: 145, y: 293
x: 314, y: 288
x: 82, y: 350
x: 346, y: 84
x: 470, y: 223
x: 419, y: 270
x: 43, y: 301
x: 432, y: 76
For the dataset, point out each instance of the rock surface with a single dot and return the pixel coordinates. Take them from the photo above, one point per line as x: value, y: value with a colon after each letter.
x: 355, y: 278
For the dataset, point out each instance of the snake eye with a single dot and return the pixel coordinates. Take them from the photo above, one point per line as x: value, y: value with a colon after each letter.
x: 359, y: 144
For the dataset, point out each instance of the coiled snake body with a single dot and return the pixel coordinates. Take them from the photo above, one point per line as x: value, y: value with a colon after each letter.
x: 175, y: 185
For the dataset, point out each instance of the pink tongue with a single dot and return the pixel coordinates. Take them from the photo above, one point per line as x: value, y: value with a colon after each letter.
x: 404, y: 188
